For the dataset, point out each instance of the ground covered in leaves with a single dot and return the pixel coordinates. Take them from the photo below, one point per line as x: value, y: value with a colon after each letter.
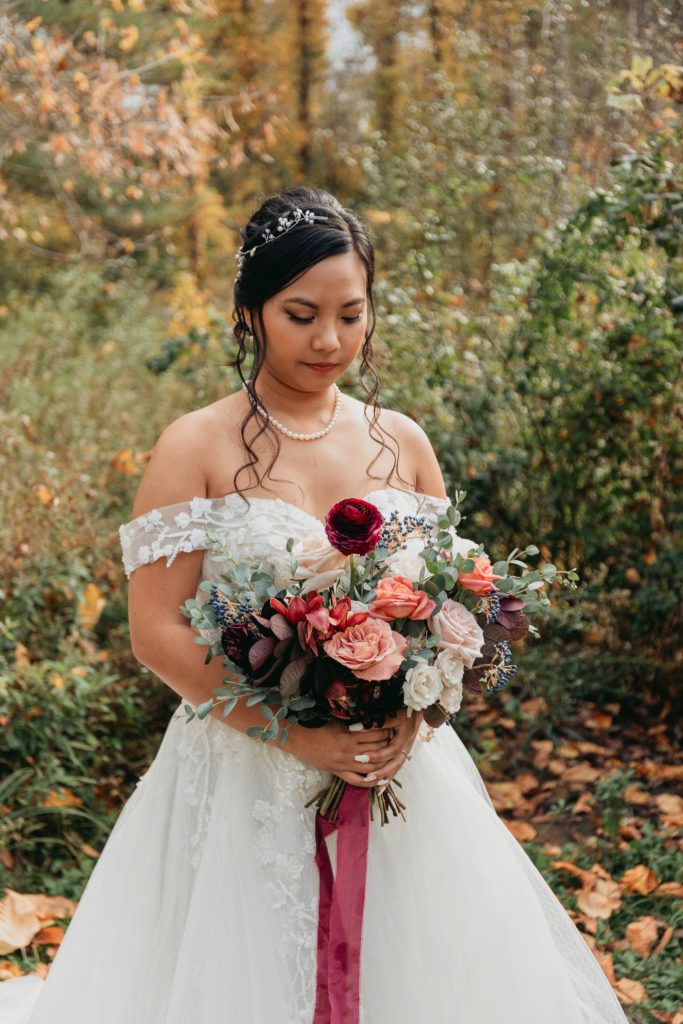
x: 595, y: 800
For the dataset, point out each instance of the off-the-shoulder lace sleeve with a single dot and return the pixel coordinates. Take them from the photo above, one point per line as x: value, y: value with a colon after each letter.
x: 166, y: 532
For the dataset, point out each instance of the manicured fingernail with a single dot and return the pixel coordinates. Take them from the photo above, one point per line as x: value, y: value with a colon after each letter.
x: 382, y: 782
x: 370, y: 778
x: 362, y: 758
x: 356, y: 727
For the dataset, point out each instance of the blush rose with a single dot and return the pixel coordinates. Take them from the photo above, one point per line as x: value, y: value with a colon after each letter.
x: 370, y: 649
x: 396, y: 599
x: 458, y: 629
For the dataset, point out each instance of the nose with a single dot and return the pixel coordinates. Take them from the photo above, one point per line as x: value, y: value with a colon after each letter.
x: 326, y: 338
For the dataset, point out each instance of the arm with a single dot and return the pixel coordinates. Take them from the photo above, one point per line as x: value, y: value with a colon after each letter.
x: 163, y: 640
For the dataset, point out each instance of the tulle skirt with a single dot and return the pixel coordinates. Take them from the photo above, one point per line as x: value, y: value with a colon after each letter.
x: 203, y: 905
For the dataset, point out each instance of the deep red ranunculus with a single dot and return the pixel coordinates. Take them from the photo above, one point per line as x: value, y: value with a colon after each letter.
x: 353, y: 526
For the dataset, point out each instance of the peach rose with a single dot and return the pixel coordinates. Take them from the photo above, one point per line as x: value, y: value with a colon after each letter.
x: 458, y: 629
x: 396, y: 599
x: 371, y: 649
x: 482, y: 578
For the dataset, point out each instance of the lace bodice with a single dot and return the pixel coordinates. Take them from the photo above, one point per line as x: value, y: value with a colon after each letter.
x: 256, y: 529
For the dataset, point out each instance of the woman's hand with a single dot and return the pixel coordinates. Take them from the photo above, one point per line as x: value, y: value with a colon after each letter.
x: 366, y: 758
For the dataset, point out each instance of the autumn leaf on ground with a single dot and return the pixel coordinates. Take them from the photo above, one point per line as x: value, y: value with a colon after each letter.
x: 630, y: 992
x: 670, y: 889
x: 521, y: 830
x: 641, y: 934
x: 640, y: 879
x: 61, y: 797
x: 635, y: 795
x: 9, y: 970
x: 599, y: 894
x: 671, y: 806
x: 505, y: 796
x: 23, y: 915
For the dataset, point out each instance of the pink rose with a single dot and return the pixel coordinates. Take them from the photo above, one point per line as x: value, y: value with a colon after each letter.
x: 481, y: 579
x: 458, y: 629
x: 353, y: 526
x: 396, y: 599
x: 371, y: 649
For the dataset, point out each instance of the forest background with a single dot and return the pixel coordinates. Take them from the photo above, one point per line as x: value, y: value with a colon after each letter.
x: 519, y: 165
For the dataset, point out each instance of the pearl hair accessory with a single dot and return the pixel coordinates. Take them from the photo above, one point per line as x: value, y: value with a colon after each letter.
x: 282, y: 429
x: 281, y: 226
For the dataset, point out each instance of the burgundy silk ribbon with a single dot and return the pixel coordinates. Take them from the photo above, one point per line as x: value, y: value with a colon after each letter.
x: 340, y: 912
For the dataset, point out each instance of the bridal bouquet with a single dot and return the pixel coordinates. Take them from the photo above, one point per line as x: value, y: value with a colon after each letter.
x: 384, y: 615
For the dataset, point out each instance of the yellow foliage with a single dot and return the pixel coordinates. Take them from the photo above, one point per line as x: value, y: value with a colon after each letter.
x: 91, y: 606
x: 129, y: 37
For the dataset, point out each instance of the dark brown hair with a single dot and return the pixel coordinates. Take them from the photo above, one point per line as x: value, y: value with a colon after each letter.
x: 271, y: 268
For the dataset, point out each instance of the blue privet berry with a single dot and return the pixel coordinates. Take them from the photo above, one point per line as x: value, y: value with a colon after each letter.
x: 397, y: 529
x: 501, y: 670
x: 490, y: 607
x: 227, y: 612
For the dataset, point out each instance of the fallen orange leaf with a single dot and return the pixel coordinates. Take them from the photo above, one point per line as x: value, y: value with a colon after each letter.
x: 598, y: 721
x: 23, y: 915
x: 61, y: 797
x: 521, y: 830
x: 605, y: 961
x: 640, y: 879
x: 584, y: 804
x: 600, y: 899
x: 636, y: 795
x: 505, y: 796
x: 641, y: 934
x: 581, y: 772
x: 664, y: 941
x: 9, y: 970
x: 670, y: 889
x: 630, y: 992
x: 48, y: 936
x: 670, y: 803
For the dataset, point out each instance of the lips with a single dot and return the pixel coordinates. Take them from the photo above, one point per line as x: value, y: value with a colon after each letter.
x: 321, y: 367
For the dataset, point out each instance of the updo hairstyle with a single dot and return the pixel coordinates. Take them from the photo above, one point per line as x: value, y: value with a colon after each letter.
x: 272, y: 267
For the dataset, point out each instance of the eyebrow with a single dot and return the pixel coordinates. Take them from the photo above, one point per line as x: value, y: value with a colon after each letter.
x: 314, y: 305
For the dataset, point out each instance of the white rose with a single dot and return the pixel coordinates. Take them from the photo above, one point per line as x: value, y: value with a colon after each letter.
x: 451, y: 698
x: 406, y: 561
x: 422, y: 686
x: 451, y: 666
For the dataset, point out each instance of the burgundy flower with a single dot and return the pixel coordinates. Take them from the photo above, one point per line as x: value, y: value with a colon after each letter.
x: 353, y: 526
x: 237, y: 640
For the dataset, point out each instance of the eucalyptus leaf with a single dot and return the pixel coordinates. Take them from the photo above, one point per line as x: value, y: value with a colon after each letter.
x: 205, y: 708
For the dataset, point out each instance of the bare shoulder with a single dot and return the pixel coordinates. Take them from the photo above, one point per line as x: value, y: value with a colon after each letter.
x: 181, y: 462
x: 417, y: 459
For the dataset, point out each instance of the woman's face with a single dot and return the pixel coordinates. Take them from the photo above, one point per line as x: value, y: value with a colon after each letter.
x: 315, y: 326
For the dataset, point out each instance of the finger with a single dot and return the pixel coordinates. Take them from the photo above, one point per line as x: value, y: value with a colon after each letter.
x: 356, y: 779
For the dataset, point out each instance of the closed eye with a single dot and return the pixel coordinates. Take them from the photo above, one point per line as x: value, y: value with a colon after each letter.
x: 300, y: 319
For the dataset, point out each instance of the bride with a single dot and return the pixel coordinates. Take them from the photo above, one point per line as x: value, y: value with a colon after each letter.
x: 204, y: 904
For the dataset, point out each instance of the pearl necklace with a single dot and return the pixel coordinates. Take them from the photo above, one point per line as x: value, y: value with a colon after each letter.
x: 282, y: 429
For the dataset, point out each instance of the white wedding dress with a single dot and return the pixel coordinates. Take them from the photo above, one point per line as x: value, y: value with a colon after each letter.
x: 203, y: 906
